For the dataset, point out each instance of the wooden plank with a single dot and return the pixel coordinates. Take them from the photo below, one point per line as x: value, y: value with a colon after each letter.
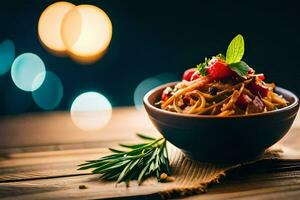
x: 57, y: 128
x: 232, y: 186
x: 57, y: 163
x: 68, y: 188
x: 43, y: 172
x: 32, y: 165
x: 39, y: 168
x: 23, y: 166
x: 6, y: 152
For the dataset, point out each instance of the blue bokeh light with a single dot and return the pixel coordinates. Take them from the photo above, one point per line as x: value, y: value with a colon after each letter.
x: 25, y: 68
x: 148, y: 84
x: 50, y: 93
x: 7, y: 55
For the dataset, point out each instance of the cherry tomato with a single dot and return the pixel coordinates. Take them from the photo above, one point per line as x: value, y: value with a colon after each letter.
x: 219, y: 70
x: 195, y: 76
x: 187, y: 75
x: 165, y: 94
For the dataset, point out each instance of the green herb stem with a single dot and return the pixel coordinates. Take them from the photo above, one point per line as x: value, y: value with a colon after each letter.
x: 138, y: 162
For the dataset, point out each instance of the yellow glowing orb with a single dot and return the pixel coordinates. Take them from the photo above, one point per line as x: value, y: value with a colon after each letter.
x: 49, y: 26
x: 86, y: 32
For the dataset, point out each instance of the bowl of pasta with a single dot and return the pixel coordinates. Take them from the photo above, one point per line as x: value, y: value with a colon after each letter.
x: 222, y: 110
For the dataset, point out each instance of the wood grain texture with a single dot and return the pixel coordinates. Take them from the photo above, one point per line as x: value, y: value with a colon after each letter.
x: 242, y: 183
x: 38, y: 160
x: 45, y: 166
x: 57, y: 128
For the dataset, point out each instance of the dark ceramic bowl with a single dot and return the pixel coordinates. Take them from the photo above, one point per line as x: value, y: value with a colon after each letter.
x: 222, y: 139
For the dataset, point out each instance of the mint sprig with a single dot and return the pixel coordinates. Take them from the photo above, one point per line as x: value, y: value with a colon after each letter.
x: 241, y: 68
x: 234, y: 55
x: 235, y: 50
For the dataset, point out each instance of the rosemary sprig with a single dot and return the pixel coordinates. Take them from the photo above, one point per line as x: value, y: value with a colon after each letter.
x: 137, y: 162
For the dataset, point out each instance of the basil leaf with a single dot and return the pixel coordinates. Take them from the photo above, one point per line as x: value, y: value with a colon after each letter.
x: 235, y: 50
x: 241, y: 68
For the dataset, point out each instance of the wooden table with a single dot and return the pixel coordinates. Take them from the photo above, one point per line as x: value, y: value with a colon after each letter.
x: 39, y: 154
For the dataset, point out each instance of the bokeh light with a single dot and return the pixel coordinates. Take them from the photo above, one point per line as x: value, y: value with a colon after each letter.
x: 49, y: 26
x: 148, y: 84
x: 49, y: 94
x: 7, y: 56
x: 142, y: 89
x: 25, y: 68
x: 86, y: 33
x: 91, y: 111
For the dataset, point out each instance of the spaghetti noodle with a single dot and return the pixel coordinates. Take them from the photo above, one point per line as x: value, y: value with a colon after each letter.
x: 206, y: 97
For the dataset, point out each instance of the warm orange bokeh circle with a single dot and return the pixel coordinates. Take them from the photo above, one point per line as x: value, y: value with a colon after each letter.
x: 83, y: 32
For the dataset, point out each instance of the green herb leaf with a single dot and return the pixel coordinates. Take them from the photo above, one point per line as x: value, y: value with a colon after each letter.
x: 125, y: 171
x: 133, y: 146
x: 142, y: 174
x: 235, y: 50
x: 144, y: 137
x: 138, y: 162
x: 221, y: 56
x: 202, y: 67
x: 241, y: 68
x: 115, y: 150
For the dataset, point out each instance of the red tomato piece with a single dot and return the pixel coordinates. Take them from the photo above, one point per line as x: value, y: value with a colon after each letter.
x: 219, y: 70
x: 187, y: 75
x: 258, y: 89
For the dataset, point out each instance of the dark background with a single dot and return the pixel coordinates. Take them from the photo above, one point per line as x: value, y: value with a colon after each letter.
x: 153, y: 37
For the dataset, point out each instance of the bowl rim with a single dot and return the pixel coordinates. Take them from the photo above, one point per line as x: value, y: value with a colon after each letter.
x: 148, y: 104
